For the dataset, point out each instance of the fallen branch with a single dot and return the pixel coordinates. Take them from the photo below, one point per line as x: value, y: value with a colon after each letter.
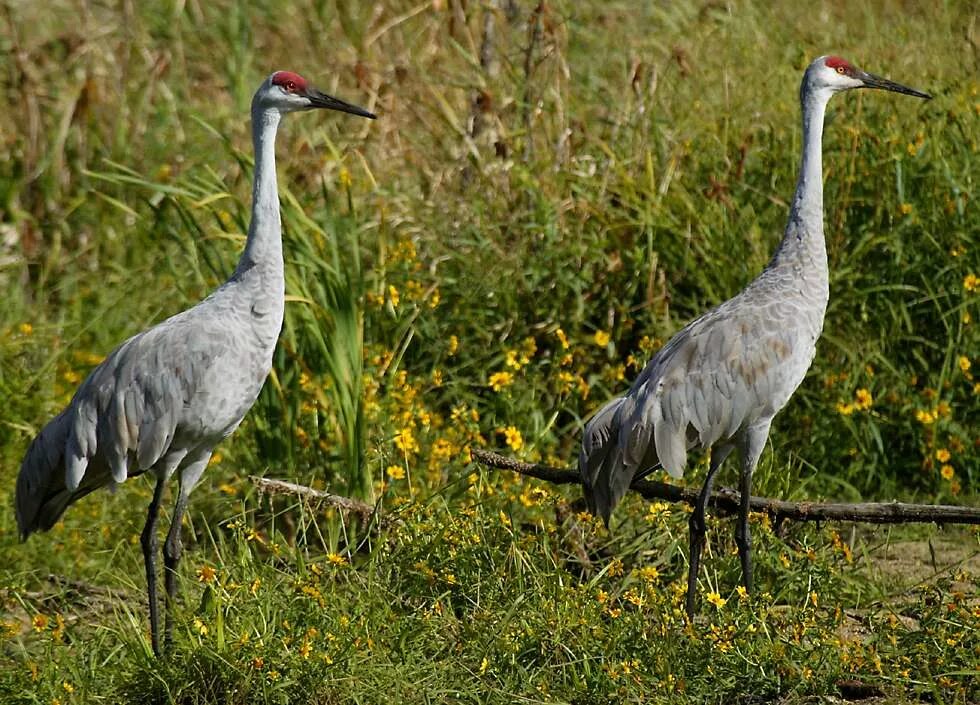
x: 268, y: 486
x: 725, y: 501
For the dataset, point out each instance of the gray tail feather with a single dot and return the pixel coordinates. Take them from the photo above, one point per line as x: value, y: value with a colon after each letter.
x: 41, y: 496
x: 600, y: 454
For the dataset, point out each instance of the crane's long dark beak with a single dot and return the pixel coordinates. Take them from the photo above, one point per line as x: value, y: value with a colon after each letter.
x: 872, y: 81
x: 322, y: 100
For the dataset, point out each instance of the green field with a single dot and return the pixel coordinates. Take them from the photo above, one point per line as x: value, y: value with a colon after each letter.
x: 549, y: 193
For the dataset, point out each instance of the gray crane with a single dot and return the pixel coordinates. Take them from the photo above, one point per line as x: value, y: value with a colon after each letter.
x: 162, y: 400
x: 719, y: 382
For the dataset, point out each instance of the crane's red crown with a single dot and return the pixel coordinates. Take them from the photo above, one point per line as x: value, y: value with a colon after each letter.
x: 291, y: 82
x: 839, y: 64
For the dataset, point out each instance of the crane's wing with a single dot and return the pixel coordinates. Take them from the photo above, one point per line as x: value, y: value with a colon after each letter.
x: 715, y: 376
x: 121, y: 421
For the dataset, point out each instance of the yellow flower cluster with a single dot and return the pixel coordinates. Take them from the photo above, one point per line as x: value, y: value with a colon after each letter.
x: 862, y: 402
x: 499, y: 380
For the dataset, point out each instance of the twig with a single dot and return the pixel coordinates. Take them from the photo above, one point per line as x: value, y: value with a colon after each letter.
x: 269, y: 486
x: 725, y: 501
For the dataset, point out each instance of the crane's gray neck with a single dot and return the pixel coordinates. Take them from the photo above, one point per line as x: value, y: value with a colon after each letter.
x: 264, y: 244
x: 803, y: 243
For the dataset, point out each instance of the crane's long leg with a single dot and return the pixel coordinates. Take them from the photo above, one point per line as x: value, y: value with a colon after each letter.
x: 174, y: 547
x: 172, y: 550
x: 697, y: 527
x: 753, y: 443
x: 148, y: 540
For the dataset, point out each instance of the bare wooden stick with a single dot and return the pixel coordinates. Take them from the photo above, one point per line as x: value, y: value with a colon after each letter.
x: 725, y: 501
x: 267, y: 485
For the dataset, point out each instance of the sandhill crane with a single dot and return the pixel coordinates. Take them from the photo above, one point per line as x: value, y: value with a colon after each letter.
x: 162, y: 400
x: 719, y: 382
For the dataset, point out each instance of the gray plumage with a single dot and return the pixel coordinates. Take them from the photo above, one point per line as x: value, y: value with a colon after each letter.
x: 719, y: 382
x: 162, y: 400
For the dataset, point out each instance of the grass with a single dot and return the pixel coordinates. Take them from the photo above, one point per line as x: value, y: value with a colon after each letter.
x: 484, y: 266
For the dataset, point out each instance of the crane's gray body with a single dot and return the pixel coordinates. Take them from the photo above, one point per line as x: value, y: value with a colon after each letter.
x: 722, y: 378
x: 159, y: 402
x: 162, y: 400
x: 720, y: 381
x: 730, y: 370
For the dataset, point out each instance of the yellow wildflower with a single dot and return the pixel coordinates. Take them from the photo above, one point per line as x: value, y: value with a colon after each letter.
x: 336, y: 559
x: 649, y: 573
x: 25, y: 328
x: 405, y: 441
x: 200, y: 626
x: 925, y: 417
x: 971, y: 282
x: 395, y: 472
x: 39, y: 622
x: 393, y: 295
x: 942, y: 455
x: 562, y: 338
x: 964, y: 363
x: 716, y: 599
x: 206, y: 574
x: 601, y: 338
x: 905, y: 208
x: 845, y: 409
x: 453, y: 345
x: 947, y: 472
x: 862, y: 399
x: 499, y: 380
x: 513, y: 437
x: 68, y: 687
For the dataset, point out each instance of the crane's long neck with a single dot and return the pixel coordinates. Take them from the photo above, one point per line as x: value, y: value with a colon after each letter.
x: 803, y: 245
x: 263, y: 247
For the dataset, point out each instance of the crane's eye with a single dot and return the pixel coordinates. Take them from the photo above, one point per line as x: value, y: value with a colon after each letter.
x: 841, y: 70
x: 290, y: 86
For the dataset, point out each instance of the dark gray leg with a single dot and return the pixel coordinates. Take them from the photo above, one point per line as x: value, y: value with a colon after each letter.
x: 753, y: 443
x: 697, y: 527
x: 172, y: 550
x: 743, y: 537
x: 148, y: 539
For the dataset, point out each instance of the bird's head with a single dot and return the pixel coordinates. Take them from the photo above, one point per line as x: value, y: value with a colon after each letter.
x: 833, y: 74
x: 288, y: 92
